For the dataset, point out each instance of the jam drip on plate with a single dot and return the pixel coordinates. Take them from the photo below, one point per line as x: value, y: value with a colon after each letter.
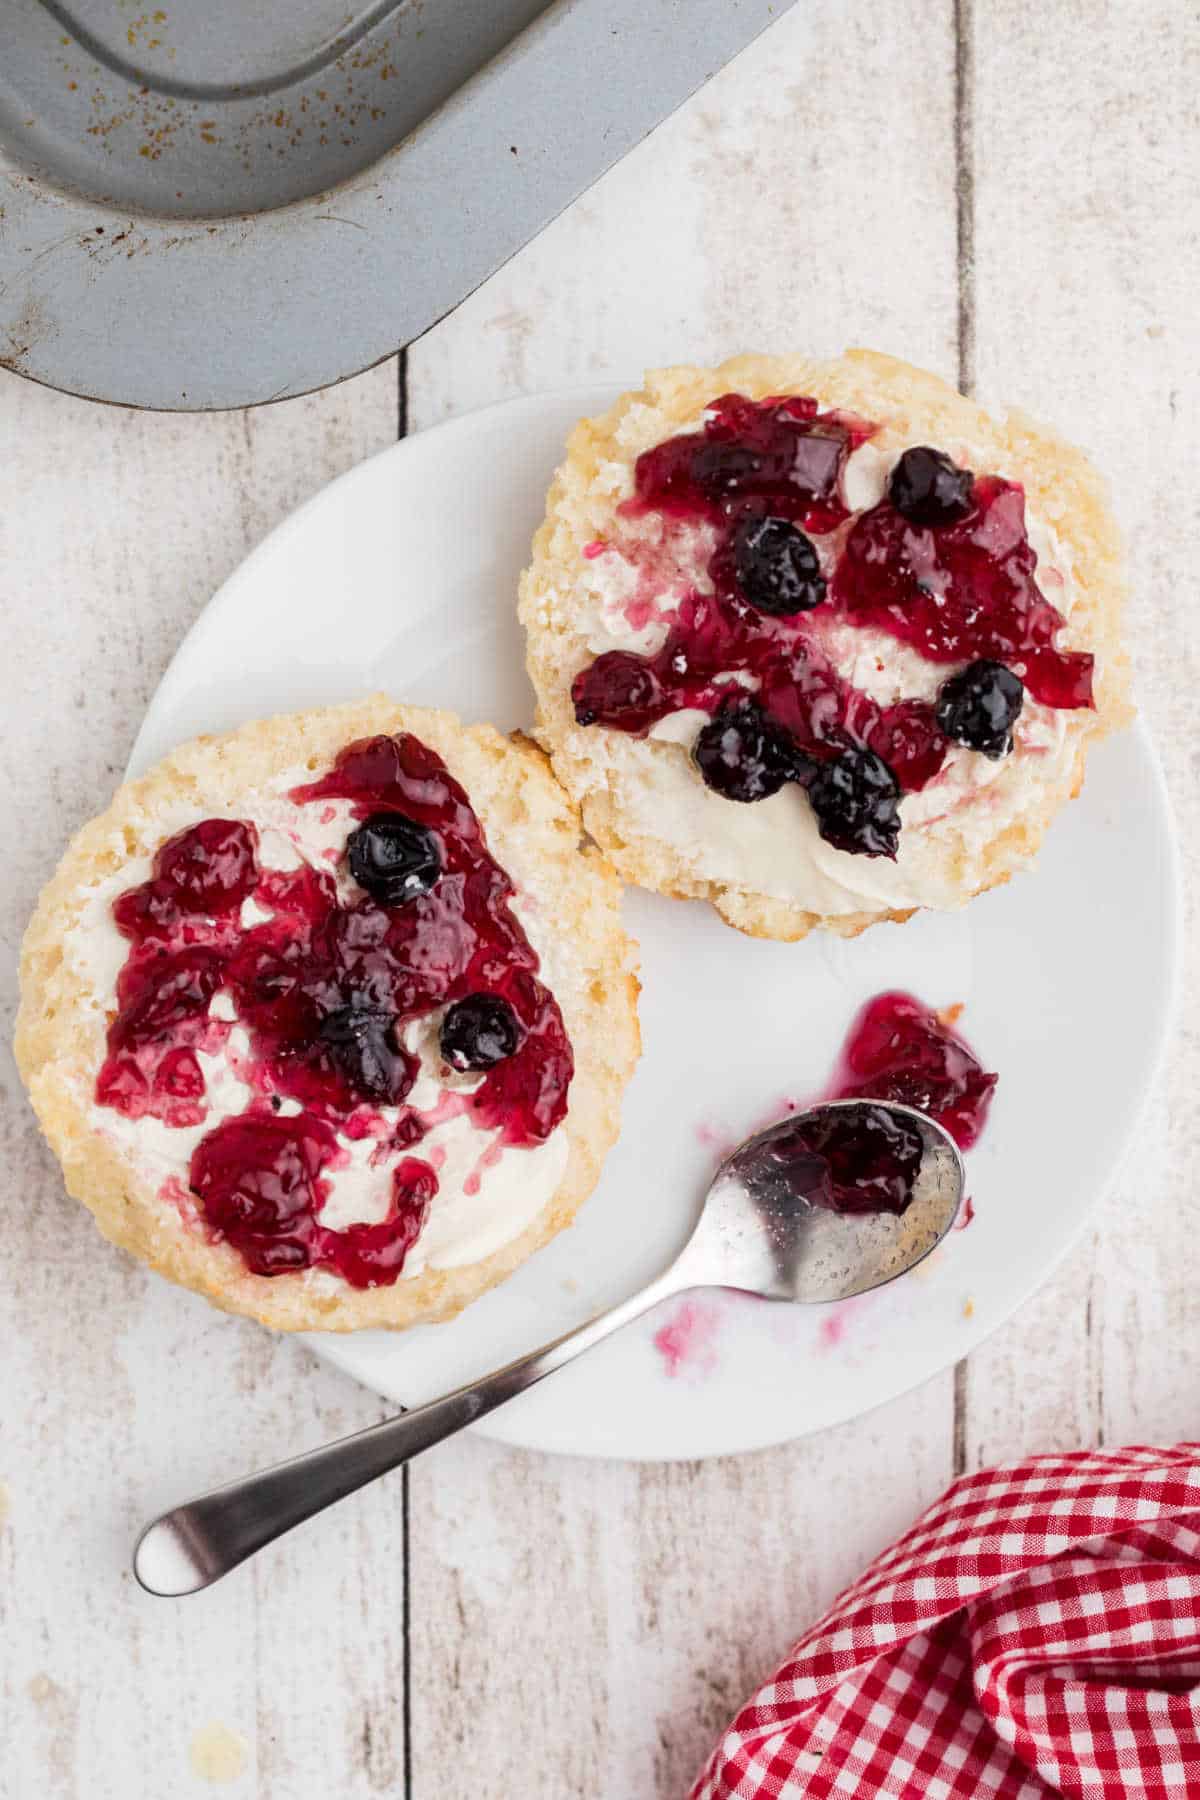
x: 896, y: 1050
x: 899, y: 1049
x: 942, y: 563
x: 323, y: 984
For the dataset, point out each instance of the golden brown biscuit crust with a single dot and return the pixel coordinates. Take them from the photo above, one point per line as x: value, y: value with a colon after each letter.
x: 1061, y: 484
x: 531, y: 828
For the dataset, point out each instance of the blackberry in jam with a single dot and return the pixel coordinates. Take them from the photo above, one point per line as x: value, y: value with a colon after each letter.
x: 742, y: 755
x: 980, y: 705
x: 856, y: 800
x: 361, y: 1043
x: 777, y: 566
x: 928, y: 489
x: 620, y: 690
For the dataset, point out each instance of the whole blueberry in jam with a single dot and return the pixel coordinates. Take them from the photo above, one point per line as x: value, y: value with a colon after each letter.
x: 742, y: 755
x: 362, y: 1045
x: 979, y: 707
x: 927, y: 488
x: 777, y: 566
x: 393, y: 858
x: 479, y: 1032
x: 856, y: 800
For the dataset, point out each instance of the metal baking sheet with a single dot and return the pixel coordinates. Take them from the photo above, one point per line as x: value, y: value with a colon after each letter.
x: 219, y: 205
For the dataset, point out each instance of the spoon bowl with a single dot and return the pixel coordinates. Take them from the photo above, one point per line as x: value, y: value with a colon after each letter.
x: 767, y: 1227
x: 824, y: 1205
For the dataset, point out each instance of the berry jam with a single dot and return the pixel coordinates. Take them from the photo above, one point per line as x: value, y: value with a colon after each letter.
x: 797, y: 458
x: 898, y: 1049
x: 798, y: 688
x: 323, y: 987
x: 182, y: 924
x: 259, y: 1181
x: 781, y: 457
x: 867, y: 1164
x: 960, y: 591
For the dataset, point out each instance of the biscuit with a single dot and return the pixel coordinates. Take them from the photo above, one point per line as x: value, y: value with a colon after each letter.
x: 567, y: 900
x: 763, y: 866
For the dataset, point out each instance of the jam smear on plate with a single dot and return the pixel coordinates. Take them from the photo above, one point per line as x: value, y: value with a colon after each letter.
x: 900, y: 1049
x: 323, y: 983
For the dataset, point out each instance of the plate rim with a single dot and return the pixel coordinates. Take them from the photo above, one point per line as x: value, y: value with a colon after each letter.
x: 331, y: 1347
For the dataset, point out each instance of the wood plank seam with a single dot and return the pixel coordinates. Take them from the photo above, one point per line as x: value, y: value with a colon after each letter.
x: 964, y: 190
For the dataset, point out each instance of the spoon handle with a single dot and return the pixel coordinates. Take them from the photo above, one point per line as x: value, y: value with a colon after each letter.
x: 195, y: 1544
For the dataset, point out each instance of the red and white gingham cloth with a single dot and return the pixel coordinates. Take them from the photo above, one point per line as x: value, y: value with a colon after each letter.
x: 1036, y: 1632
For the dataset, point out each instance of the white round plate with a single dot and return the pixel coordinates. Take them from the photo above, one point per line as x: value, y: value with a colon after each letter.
x: 402, y: 576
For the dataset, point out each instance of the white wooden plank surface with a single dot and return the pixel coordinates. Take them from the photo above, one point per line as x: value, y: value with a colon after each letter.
x: 119, y: 1394
x: 580, y: 1629
x: 1087, y: 241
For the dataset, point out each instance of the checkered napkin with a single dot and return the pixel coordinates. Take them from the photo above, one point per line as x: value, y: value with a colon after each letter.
x: 1036, y: 1632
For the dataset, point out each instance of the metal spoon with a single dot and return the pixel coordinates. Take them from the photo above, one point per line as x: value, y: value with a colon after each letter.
x: 759, y: 1232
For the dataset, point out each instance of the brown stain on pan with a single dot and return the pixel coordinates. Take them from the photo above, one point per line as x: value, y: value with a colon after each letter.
x: 164, y: 121
x: 31, y: 326
x: 153, y: 110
